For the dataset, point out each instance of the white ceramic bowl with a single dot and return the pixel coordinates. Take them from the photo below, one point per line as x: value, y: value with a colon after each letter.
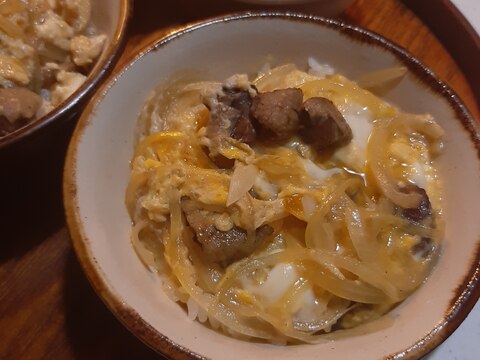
x: 97, y: 172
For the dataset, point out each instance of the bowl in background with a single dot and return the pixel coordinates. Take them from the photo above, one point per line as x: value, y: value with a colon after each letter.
x: 320, y: 7
x: 196, y: 9
x: 98, y: 167
x: 110, y: 17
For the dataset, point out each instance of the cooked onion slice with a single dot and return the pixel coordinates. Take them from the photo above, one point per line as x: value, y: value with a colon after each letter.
x: 243, y: 179
x: 377, y: 150
x: 357, y: 228
x: 424, y: 124
x: 380, y: 82
x: 270, y: 80
x: 317, y: 236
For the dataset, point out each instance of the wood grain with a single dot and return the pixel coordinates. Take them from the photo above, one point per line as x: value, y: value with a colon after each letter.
x: 47, y: 308
x: 416, y: 38
x: 455, y: 32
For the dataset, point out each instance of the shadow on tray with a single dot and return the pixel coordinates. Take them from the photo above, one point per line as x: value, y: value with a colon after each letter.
x: 31, y: 206
x: 92, y: 330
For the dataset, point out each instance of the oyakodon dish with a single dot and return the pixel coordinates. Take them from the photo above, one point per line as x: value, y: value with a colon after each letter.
x: 46, y: 50
x: 286, y: 207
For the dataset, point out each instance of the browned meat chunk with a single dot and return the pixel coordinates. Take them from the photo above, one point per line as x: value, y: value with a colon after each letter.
x: 219, y: 125
x: 323, y: 125
x: 221, y: 246
x: 229, y: 117
x: 17, y: 107
x: 423, y: 210
x: 241, y: 128
x: 277, y: 113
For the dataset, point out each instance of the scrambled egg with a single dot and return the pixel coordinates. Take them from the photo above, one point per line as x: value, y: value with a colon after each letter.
x: 54, y: 29
x: 86, y: 49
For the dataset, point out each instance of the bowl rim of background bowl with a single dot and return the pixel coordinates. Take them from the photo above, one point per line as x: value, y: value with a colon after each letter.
x: 93, y: 80
x: 465, y: 296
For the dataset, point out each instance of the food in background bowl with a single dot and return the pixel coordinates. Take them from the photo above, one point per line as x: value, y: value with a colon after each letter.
x: 286, y: 207
x: 46, y: 50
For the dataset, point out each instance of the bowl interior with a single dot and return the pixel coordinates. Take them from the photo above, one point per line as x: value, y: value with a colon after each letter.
x: 110, y: 18
x: 98, y: 169
x: 107, y: 16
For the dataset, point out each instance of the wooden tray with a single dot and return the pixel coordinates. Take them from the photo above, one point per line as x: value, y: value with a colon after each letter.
x: 47, y: 308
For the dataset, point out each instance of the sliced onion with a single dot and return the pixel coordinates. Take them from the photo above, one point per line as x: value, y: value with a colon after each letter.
x: 315, y: 236
x: 367, y: 275
x: 146, y: 255
x: 325, y: 314
x: 309, y: 205
x: 242, y: 180
x: 377, y: 150
x: 357, y: 229
x: 270, y: 80
x: 379, y: 82
x: 424, y: 124
x: 137, y: 181
x: 329, y: 318
x: 349, y: 289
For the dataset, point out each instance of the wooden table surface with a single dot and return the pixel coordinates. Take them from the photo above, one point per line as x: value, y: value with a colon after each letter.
x: 48, y: 310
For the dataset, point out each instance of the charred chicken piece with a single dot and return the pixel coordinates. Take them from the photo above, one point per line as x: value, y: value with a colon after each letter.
x: 277, y: 113
x: 221, y: 246
x: 241, y: 126
x: 229, y: 117
x: 323, y: 125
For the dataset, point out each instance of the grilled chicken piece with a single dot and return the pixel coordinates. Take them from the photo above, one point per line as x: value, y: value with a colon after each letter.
x: 229, y: 117
x: 323, y: 125
x: 221, y: 246
x: 277, y: 113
